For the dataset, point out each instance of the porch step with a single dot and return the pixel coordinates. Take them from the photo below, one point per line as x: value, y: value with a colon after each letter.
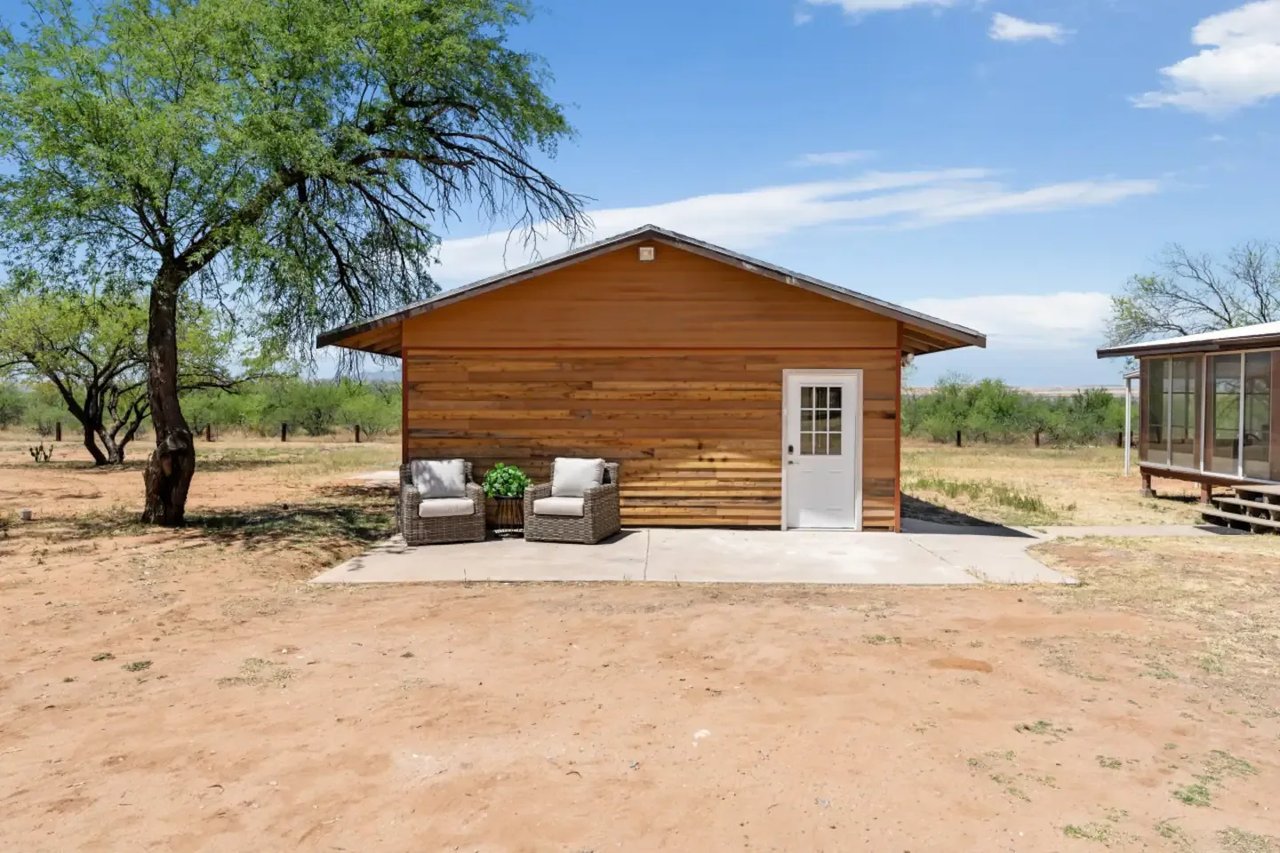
x: 1246, y: 504
x: 1265, y: 494
x: 1264, y: 521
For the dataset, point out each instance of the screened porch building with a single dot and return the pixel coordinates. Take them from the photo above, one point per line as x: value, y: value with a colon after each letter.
x: 1207, y: 409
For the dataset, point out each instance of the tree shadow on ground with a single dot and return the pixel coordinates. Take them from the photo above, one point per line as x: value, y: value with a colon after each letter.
x: 76, y: 466
x: 343, y: 516
x: 922, y: 510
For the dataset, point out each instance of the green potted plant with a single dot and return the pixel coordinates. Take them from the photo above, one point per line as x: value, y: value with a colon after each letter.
x: 504, y: 487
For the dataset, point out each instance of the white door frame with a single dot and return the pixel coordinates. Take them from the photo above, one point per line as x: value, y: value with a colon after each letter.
x: 819, y: 374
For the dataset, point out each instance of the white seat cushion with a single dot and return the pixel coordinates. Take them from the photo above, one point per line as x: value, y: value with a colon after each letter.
x: 439, y: 478
x: 558, y: 506
x: 570, y: 477
x: 445, y: 507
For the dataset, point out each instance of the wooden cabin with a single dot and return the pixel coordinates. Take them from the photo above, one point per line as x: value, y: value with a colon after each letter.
x: 733, y: 392
x: 1205, y: 412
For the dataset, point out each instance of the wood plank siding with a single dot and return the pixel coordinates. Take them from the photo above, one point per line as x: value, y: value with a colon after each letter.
x: 672, y: 367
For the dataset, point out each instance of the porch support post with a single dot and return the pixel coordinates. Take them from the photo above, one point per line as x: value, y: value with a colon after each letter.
x: 1147, y: 491
x: 1128, y: 423
x: 1206, y: 493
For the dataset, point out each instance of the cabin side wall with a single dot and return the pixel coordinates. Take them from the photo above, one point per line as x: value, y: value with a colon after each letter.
x: 672, y: 367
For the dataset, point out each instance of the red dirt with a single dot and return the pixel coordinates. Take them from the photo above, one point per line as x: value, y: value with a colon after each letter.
x: 571, y: 717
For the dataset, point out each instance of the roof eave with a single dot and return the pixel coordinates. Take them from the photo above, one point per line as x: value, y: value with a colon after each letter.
x: 1227, y: 345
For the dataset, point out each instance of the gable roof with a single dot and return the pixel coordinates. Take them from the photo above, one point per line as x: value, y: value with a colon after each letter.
x: 1257, y: 336
x: 924, y: 334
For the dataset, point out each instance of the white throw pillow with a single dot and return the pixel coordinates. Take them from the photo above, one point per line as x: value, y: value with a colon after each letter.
x: 439, y: 478
x: 571, y: 477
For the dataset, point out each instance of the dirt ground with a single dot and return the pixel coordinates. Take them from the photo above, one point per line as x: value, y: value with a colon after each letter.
x: 186, y: 690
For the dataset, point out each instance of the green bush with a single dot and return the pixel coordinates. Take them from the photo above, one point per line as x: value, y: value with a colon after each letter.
x: 44, y: 409
x: 314, y: 407
x: 12, y: 405
x: 990, y: 410
x: 505, y: 481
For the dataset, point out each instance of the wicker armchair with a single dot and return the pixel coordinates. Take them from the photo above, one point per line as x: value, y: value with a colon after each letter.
x: 600, y: 514
x: 439, y: 529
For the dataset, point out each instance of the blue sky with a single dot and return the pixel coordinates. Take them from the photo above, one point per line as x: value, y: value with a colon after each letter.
x: 1006, y: 165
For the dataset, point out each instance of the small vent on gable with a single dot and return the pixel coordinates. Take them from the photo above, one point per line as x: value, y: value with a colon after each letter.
x: 646, y: 253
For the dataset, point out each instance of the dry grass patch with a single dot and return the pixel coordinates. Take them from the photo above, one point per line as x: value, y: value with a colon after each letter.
x: 1221, y: 593
x: 1029, y: 486
x: 258, y: 672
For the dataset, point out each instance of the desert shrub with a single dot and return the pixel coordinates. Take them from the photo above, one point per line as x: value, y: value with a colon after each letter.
x: 1087, y: 416
x: 315, y: 407
x: 990, y: 410
x: 375, y: 407
x: 44, y: 409
x: 213, y: 407
x: 12, y: 405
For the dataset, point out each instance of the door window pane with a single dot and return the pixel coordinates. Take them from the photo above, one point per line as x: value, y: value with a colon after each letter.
x: 1257, y: 415
x: 1154, y: 387
x: 1226, y: 414
x: 821, y: 420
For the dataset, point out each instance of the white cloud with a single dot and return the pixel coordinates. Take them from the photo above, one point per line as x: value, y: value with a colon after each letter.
x: 831, y: 158
x: 1054, y: 321
x: 1008, y: 28
x: 861, y: 7
x: 1060, y: 196
x: 743, y: 220
x: 1239, y: 64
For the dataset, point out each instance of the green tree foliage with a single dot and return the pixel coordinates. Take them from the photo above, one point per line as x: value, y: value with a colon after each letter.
x: 1086, y: 416
x: 290, y: 157
x: 316, y: 408
x: 91, y: 349
x: 13, y: 405
x: 1191, y: 293
x: 375, y: 407
x: 43, y: 409
x: 990, y: 410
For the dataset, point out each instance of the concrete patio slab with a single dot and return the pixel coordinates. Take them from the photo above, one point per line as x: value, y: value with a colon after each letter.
x: 621, y: 558
x: 714, y: 556
x: 797, y: 556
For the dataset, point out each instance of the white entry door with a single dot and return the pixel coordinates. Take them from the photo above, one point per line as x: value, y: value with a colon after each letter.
x: 822, y: 448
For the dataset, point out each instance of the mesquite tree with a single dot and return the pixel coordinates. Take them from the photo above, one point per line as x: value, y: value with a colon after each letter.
x: 92, y: 349
x: 286, y: 157
x: 1198, y: 293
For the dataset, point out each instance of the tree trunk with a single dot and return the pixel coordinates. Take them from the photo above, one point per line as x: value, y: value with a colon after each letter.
x: 115, y: 450
x: 90, y: 444
x: 173, y: 463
